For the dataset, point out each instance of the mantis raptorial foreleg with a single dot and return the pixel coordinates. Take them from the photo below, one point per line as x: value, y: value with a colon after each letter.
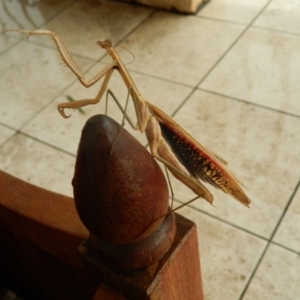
x: 70, y: 62
x: 83, y: 102
x: 67, y: 57
x: 169, y: 143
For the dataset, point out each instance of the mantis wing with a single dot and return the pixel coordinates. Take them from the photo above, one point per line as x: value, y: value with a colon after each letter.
x: 201, y: 163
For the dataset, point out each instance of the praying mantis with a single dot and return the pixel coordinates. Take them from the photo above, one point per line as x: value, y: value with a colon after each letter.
x: 169, y: 143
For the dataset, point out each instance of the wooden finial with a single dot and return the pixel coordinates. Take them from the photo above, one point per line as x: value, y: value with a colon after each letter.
x: 120, y: 194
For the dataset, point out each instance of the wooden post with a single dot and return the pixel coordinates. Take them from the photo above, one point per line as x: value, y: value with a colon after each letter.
x: 135, y: 249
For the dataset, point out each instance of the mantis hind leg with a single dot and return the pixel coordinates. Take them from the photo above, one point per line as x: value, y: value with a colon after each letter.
x: 186, y: 203
x: 172, y: 195
x: 178, y: 207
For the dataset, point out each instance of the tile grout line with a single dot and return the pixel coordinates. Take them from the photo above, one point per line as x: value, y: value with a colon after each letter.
x: 222, y: 57
x: 285, y: 211
x: 286, y: 248
x: 8, y: 139
x: 15, y: 131
x: 19, y: 132
x: 224, y: 221
x: 10, y: 47
x: 253, y: 26
x: 220, y: 20
x: 276, y: 30
x: 249, y: 102
x: 46, y: 144
x: 270, y: 241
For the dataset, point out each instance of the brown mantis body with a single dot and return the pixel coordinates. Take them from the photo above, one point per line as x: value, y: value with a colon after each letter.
x: 169, y: 143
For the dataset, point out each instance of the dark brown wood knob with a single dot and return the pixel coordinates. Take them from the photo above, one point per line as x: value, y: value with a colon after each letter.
x: 119, y: 190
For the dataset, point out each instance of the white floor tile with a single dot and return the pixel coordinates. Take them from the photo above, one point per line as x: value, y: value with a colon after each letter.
x: 179, y: 48
x: 5, y: 133
x: 16, y: 14
x: 38, y: 164
x: 168, y: 54
x: 241, y: 11
x: 6, y: 42
x: 277, y: 277
x: 288, y: 233
x: 83, y: 24
x: 227, y: 256
x: 31, y: 77
x: 283, y: 15
x: 262, y: 68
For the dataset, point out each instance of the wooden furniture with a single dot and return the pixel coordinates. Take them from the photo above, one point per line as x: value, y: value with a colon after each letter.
x: 41, y: 233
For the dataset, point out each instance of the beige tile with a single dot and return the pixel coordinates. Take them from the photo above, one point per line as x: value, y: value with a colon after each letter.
x: 29, y: 14
x: 241, y: 11
x: 38, y: 164
x: 263, y: 68
x: 262, y: 149
x: 261, y: 146
x: 83, y: 24
x: 179, y: 48
x: 6, y: 42
x: 277, y: 277
x: 5, y: 133
x: 52, y: 128
x: 281, y: 15
x: 31, y: 77
x: 288, y: 233
x: 227, y: 255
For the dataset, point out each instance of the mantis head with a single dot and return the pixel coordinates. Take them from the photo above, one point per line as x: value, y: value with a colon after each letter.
x: 105, y: 43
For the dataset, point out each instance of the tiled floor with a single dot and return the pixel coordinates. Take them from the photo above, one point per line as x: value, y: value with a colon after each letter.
x: 231, y: 75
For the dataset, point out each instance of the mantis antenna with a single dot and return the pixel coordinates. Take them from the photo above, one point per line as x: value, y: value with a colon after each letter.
x: 130, y: 53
